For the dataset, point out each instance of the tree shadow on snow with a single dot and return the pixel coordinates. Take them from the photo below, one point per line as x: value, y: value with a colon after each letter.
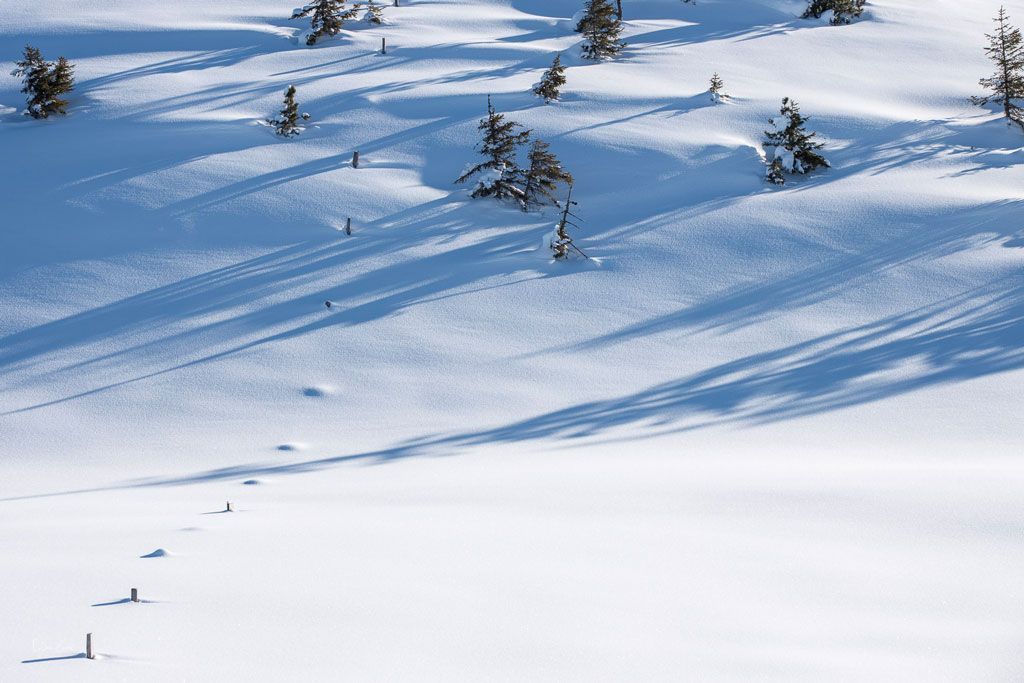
x: 497, y: 258
x: 979, y: 333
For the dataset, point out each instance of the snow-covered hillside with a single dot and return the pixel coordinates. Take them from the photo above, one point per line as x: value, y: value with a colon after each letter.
x: 766, y: 434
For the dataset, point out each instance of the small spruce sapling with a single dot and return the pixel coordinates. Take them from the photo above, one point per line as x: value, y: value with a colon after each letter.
x: 601, y: 30
x: 288, y: 125
x: 793, y: 149
x: 717, y: 89
x: 374, y: 13
x: 559, y: 240
x: 44, y: 82
x: 62, y: 81
x: 542, y: 176
x: 34, y: 72
x: 326, y: 18
x: 1006, y: 49
x: 499, y: 171
x: 843, y: 11
x: 552, y: 81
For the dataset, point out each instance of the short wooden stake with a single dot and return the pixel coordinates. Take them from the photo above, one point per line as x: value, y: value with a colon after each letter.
x: 355, y: 159
x: 88, y: 647
x: 135, y: 595
x: 383, y: 45
x: 227, y: 507
x: 348, y: 226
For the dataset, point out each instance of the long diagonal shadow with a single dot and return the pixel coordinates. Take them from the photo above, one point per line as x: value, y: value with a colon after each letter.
x: 80, y: 655
x: 980, y: 333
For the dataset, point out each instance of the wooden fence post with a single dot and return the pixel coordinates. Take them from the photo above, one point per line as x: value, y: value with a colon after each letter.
x: 383, y: 45
x: 88, y: 647
x: 135, y: 595
x: 227, y: 507
x: 348, y: 226
x: 355, y: 159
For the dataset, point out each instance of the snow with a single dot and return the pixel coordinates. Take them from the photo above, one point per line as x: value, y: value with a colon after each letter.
x: 775, y: 436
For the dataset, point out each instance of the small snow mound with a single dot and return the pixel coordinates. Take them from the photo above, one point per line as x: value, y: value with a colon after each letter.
x: 159, y: 552
x: 319, y: 391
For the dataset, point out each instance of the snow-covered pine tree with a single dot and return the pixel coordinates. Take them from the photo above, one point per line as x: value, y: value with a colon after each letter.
x: 288, y: 125
x: 794, y: 150
x: 552, y: 81
x: 1006, y: 49
x: 717, y: 89
x: 499, y: 171
x: 559, y: 240
x: 326, y: 18
x: 542, y: 176
x: 374, y: 13
x: 44, y: 82
x: 775, y: 174
x: 843, y: 11
x: 601, y: 30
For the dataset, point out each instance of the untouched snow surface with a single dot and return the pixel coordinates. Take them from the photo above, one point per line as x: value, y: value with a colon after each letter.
x: 773, y: 434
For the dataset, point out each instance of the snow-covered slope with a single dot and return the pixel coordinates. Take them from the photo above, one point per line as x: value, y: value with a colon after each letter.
x: 769, y: 434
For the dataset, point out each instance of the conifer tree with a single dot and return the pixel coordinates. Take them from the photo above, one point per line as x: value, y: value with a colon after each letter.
x: 44, y: 82
x: 794, y: 150
x: 1006, y: 49
x: 62, y: 81
x: 775, y: 174
x: 843, y: 11
x: 717, y: 88
x: 326, y: 18
x: 499, y: 171
x: 34, y: 72
x: 542, y: 176
x: 374, y: 13
x: 288, y: 125
x: 601, y: 30
x: 559, y: 240
x: 552, y: 81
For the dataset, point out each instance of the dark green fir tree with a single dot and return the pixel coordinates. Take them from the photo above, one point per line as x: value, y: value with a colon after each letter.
x: 44, y: 82
x: 552, y: 81
x: 843, y: 11
x: 287, y: 125
x: 542, y: 176
x: 717, y: 88
x: 498, y: 171
x: 326, y: 18
x: 794, y: 149
x: 601, y: 29
x: 1006, y: 50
